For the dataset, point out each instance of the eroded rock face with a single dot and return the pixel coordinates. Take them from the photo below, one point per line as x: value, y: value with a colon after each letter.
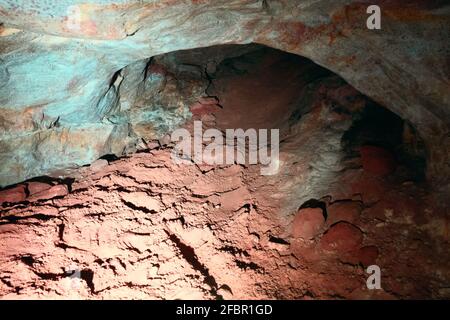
x: 81, y: 80
x: 145, y: 228
x: 63, y: 102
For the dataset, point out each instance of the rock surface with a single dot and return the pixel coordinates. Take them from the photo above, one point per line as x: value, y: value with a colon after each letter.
x: 13, y: 195
x: 113, y: 82
x: 226, y: 243
x: 70, y: 72
x: 53, y: 192
x: 342, y: 237
x: 144, y: 227
x: 308, y: 223
x: 348, y: 211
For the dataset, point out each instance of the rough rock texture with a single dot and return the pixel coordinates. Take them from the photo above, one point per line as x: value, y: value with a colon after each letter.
x: 144, y: 227
x: 308, y: 223
x: 60, y: 87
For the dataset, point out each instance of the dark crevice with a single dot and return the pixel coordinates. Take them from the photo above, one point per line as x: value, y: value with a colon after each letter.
x: 247, y: 265
x: 88, y: 276
x: 28, y: 260
x: 134, y: 207
x: 314, y: 203
x: 379, y: 127
x: 65, y: 246
x: 110, y: 157
x: 277, y: 240
x: 180, y: 218
x: 234, y: 251
x: 61, y: 228
x: 188, y: 253
x: 38, y: 216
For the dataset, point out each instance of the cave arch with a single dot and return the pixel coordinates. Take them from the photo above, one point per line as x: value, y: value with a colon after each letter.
x: 112, y: 36
x: 134, y: 224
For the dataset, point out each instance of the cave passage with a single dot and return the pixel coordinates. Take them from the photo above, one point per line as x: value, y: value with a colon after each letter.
x: 349, y: 192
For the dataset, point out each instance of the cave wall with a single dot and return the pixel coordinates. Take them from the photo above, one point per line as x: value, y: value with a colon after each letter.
x: 59, y: 84
x: 348, y: 192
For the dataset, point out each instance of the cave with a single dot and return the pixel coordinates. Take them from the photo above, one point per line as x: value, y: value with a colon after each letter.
x: 330, y: 161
